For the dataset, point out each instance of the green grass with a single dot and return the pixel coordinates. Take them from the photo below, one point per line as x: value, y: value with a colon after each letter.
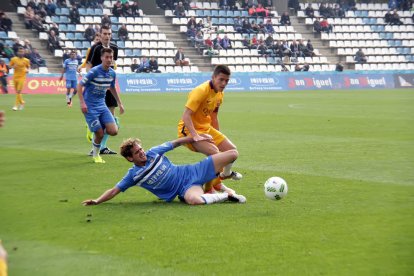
x: 348, y: 158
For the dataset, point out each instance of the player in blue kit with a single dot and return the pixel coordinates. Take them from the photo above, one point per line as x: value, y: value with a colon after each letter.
x: 70, y: 67
x: 91, y: 91
x: 155, y: 173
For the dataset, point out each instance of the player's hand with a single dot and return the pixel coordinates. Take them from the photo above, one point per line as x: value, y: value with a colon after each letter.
x: 89, y: 202
x: 84, y: 108
x: 61, y: 78
x: 121, y: 109
x: 207, y: 137
x: 202, y: 137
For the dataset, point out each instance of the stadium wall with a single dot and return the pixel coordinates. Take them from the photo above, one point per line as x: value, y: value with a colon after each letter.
x: 239, y: 82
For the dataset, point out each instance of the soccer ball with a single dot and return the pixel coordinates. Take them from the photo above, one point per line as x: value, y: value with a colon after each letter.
x: 275, y: 188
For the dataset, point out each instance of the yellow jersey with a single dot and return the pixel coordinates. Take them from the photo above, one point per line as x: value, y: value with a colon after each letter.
x: 20, y: 65
x: 3, y: 268
x: 203, y: 100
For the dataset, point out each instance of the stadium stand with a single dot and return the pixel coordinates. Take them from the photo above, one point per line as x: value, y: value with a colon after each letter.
x: 387, y: 47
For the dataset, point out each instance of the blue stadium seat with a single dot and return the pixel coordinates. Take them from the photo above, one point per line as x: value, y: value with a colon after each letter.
x: 77, y: 44
x: 115, y: 36
x: 399, y: 50
x: 114, y: 19
x: 56, y: 19
x: 64, y: 19
x: 3, y: 35
x: 98, y: 12
x: 121, y: 44
x: 82, y: 11
x: 90, y: 11
x: 70, y: 36
x: 373, y: 21
x: 391, y: 42
x: 222, y: 21
x: 271, y: 60
x: 79, y: 36
x: 398, y: 43
x: 365, y: 21
x: 63, y: 27
x: 57, y: 11
x: 236, y: 13
x: 64, y: 11
x: 407, y: 51
x: 230, y: 14
x: 129, y: 52
x: 137, y: 52
x: 230, y: 21
x: 214, y: 13
x: 114, y: 28
x: 199, y: 13
x: 214, y: 20
x: 71, y: 27
x: 207, y: 13
x: 222, y: 13
x: 244, y: 13
x: 83, y: 52
x: 380, y: 28
x: 86, y: 44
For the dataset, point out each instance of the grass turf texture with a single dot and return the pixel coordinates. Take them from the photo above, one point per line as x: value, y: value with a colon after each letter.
x: 347, y: 157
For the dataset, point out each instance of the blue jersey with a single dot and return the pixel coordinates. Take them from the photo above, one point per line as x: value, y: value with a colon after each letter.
x: 71, y: 67
x: 163, y: 178
x: 96, y: 83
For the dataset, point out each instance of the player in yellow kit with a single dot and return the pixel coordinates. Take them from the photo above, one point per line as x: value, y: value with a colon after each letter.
x: 21, y: 66
x: 200, y: 117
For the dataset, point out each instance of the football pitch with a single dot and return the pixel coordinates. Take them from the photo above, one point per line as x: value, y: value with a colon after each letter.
x: 347, y: 156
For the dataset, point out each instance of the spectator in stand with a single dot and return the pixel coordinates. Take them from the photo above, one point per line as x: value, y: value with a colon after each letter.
x: 252, y: 11
x: 127, y: 10
x: 51, y: 8
x: 53, y: 42
x: 134, y: 65
x: 228, y: 4
x: 89, y: 33
x: 323, y: 11
x: 294, y: 48
x: 153, y: 65
x: 269, y: 41
x: 135, y: 9
x: 286, y: 49
x: 325, y: 26
x: 27, y: 45
x: 106, y: 21
x: 261, y: 11
x: 4, y: 71
x: 200, y: 25
x: 37, y: 23
x: 285, y: 19
x: 310, y: 50
x: 268, y: 27
x: 317, y: 25
x: 217, y: 43
x: 7, y: 52
x: 199, y: 41
x: 392, y: 4
x: 294, y: 4
x: 360, y: 56
x: 226, y: 43
x: 16, y: 3
x: 277, y: 49
x: 74, y: 15
x: 339, y: 67
x: 246, y: 42
x: 254, y: 43
x: 303, y: 50
x: 28, y: 17
x: 61, y: 4
x: 255, y: 27
x: 32, y: 4
x: 191, y: 34
x: 309, y: 11
x: 263, y: 50
x: 247, y: 27
x: 387, y: 17
x: 16, y: 46
x: 54, y: 28
x: 179, y: 10
x: 209, y: 42
x: 330, y: 11
x: 143, y: 65
x: 339, y: 12
x: 36, y: 59
x: 191, y: 22
x: 395, y: 19
x: 238, y: 25
x: 41, y: 5
x: 179, y: 58
x: 117, y: 9
x: 5, y: 23
x: 123, y: 32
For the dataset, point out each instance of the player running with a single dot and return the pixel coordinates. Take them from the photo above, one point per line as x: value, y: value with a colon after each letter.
x: 70, y: 67
x: 93, y: 59
x: 21, y: 66
x: 91, y: 90
x: 155, y: 173
x: 201, y: 117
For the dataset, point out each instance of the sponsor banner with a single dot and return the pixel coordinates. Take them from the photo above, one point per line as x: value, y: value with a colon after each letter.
x: 42, y: 84
x: 404, y: 81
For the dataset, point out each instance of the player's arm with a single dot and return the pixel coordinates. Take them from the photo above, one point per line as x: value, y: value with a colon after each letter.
x: 188, y: 122
x: 214, y: 119
x: 107, y: 195
x: 63, y: 71
x: 80, y: 90
x: 118, y: 99
x: 186, y: 140
x: 89, y: 57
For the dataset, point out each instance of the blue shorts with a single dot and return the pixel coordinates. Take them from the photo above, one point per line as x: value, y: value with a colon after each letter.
x: 198, y: 174
x: 97, y: 118
x: 71, y: 84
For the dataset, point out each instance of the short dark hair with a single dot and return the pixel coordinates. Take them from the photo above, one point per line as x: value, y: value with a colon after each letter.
x: 106, y: 50
x: 127, y: 145
x: 105, y: 27
x: 221, y: 69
